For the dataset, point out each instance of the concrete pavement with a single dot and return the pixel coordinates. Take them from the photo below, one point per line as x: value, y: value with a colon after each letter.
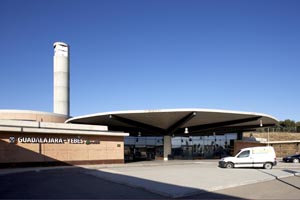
x: 185, y: 178
x: 179, y: 178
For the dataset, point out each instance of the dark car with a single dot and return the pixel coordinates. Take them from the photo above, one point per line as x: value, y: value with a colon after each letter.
x: 294, y: 158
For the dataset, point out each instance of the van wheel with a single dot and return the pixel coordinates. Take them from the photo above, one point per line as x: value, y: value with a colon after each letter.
x: 268, y: 166
x: 229, y: 165
x: 296, y: 160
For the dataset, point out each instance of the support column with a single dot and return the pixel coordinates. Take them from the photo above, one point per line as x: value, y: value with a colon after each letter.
x: 167, y: 146
x: 240, y: 136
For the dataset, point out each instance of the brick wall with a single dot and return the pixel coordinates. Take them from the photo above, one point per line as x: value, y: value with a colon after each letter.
x: 239, y: 144
x: 274, y: 136
x: 91, y: 150
x: 282, y: 149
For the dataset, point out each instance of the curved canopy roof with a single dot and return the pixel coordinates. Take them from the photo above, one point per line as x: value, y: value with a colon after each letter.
x: 175, y: 121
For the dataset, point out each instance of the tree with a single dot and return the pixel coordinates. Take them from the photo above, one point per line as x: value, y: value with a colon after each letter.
x: 287, y: 123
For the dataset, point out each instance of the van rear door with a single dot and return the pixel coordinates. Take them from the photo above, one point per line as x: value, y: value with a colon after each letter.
x: 263, y: 155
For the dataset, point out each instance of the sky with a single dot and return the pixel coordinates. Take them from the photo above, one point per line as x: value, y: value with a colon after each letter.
x: 160, y: 54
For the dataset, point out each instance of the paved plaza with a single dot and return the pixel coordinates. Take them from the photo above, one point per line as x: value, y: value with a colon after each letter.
x: 154, y: 180
x: 185, y: 178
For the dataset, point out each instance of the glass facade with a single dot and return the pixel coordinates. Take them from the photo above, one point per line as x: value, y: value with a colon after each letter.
x: 195, y: 147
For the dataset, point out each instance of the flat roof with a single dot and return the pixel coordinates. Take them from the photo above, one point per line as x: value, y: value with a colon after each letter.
x: 13, y: 111
x: 56, y: 128
x: 174, y: 122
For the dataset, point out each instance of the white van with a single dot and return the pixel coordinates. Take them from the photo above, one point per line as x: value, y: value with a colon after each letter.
x: 251, y: 157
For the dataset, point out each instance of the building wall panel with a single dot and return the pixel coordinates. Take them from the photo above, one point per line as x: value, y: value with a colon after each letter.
x: 91, y: 149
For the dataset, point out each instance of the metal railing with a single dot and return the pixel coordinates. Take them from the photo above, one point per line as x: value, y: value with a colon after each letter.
x: 279, y: 129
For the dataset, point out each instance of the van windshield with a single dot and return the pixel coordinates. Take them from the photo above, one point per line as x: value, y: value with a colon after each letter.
x: 238, y: 153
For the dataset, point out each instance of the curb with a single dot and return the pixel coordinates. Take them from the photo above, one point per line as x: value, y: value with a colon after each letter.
x: 35, y: 169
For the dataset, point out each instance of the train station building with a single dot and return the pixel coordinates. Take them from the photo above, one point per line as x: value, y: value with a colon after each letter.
x: 29, y: 138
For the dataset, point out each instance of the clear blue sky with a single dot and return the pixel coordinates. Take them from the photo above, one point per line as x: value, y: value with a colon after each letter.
x: 234, y: 55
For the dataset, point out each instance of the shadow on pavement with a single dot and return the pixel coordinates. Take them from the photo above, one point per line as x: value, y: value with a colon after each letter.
x: 290, y: 171
x: 81, y: 183
x: 279, y: 179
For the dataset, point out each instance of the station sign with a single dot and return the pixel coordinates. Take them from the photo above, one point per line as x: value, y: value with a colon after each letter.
x: 51, y: 140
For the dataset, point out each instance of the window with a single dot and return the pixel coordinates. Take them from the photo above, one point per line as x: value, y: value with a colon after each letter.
x: 244, y: 154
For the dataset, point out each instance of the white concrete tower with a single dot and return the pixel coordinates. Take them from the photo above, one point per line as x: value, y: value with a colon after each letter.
x: 61, y: 62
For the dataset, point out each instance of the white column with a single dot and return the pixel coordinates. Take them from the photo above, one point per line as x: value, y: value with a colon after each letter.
x: 167, y: 146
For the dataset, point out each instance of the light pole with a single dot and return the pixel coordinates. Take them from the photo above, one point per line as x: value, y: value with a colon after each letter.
x: 268, y: 136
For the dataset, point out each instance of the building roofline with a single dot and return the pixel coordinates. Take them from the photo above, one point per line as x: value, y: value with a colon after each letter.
x: 31, y: 112
x: 170, y: 110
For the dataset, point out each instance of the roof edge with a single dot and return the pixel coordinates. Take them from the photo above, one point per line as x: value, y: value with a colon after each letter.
x: 170, y: 110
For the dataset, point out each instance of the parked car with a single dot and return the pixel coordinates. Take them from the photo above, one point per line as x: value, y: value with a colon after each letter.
x: 294, y: 158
